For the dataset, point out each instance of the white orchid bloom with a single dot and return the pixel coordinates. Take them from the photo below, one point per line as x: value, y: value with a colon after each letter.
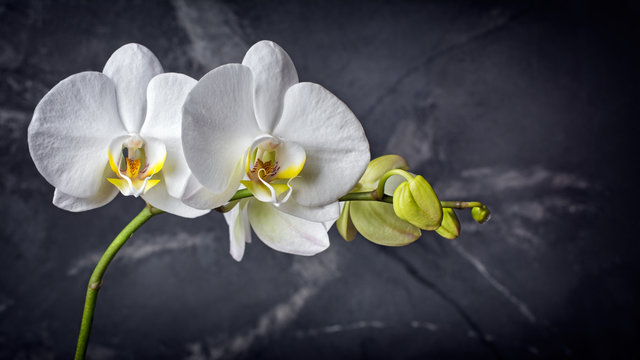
x: 295, y: 146
x: 96, y: 133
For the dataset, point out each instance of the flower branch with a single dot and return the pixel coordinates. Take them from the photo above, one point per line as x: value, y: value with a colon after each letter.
x: 96, y: 280
x: 274, y: 155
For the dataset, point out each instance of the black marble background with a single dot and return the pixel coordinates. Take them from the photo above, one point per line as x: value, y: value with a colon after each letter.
x: 530, y: 107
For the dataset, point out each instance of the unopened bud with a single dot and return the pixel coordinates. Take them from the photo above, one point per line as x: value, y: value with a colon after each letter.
x: 415, y: 202
x: 377, y: 168
x: 450, y: 227
x: 481, y: 214
x: 344, y: 224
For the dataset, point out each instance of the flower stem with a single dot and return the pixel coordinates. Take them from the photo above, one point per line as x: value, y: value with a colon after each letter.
x: 386, y: 176
x: 460, y: 204
x: 95, y: 282
x: 241, y: 194
x: 366, y: 196
x: 362, y: 196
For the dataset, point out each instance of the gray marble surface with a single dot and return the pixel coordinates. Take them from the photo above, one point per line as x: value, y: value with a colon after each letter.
x: 531, y: 108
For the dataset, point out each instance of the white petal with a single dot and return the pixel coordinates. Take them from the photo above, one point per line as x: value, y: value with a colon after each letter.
x: 328, y: 224
x: 326, y: 213
x: 218, y: 126
x: 156, y: 153
x: 336, y: 147
x: 105, y: 194
x: 199, y: 197
x: 131, y: 67
x: 291, y: 158
x: 115, y: 150
x: 158, y: 197
x: 70, y: 133
x: 273, y: 73
x: 239, y: 230
x: 165, y: 96
x: 287, y: 233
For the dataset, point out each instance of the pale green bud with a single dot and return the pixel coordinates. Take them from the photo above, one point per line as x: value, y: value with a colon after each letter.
x: 378, y: 223
x: 415, y: 202
x: 450, y: 227
x: 378, y: 167
x: 481, y: 214
x: 344, y: 224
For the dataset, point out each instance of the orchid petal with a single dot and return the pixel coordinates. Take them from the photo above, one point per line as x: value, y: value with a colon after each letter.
x: 291, y: 158
x: 328, y: 224
x: 200, y: 197
x: 70, y: 133
x: 273, y: 73
x: 239, y: 230
x: 156, y: 153
x: 265, y: 191
x: 379, y: 224
x: 287, y: 233
x: 336, y: 146
x: 114, y: 152
x: 158, y: 197
x: 126, y: 187
x: 105, y: 194
x: 325, y: 213
x: 131, y: 67
x: 74, y: 204
x: 219, y: 125
x: 165, y: 96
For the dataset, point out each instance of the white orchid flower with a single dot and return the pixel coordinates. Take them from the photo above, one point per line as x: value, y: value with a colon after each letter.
x: 95, y: 134
x: 295, y: 146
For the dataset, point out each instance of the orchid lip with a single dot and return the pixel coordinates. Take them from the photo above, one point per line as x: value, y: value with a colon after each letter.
x: 270, y: 162
x: 135, y: 161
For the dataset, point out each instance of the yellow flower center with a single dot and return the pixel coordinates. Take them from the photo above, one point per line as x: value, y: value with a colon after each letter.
x: 270, y: 166
x: 132, y: 168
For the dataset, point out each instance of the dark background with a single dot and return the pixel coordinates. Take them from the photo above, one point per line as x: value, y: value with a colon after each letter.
x: 530, y: 107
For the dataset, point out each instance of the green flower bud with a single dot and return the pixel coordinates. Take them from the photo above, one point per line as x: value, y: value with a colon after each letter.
x: 450, y: 227
x: 415, y: 202
x: 344, y: 224
x: 377, y: 168
x: 378, y: 223
x: 481, y: 214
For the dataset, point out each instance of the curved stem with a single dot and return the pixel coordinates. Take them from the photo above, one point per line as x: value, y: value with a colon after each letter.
x: 386, y: 176
x: 95, y: 282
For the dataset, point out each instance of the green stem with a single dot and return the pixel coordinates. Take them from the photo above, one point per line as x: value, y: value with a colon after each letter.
x: 95, y: 282
x: 241, y: 194
x: 366, y: 196
x: 460, y: 204
x: 360, y: 196
x: 386, y: 176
